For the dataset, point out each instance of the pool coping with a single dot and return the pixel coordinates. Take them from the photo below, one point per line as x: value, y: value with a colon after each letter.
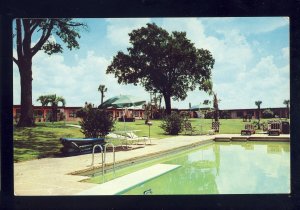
x: 118, y: 185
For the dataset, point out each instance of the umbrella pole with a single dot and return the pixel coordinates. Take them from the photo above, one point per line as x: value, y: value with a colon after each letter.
x: 124, y: 127
x: 124, y: 120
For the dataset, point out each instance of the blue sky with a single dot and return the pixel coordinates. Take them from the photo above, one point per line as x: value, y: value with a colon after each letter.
x: 251, y: 61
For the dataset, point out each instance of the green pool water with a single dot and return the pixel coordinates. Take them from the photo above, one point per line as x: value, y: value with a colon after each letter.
x: 225, y: 168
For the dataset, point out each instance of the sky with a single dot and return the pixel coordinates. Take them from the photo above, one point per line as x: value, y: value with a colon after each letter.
x: 251, y: 61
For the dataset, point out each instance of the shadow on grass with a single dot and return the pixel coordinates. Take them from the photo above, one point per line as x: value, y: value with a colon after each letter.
x: 32, y: 143
x: 29, y: 144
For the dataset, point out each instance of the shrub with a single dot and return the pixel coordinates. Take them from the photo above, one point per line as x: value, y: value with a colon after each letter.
x: 267, y: 113
x: 172, y: 124
x: 95, y: 122
x: 261, y: 125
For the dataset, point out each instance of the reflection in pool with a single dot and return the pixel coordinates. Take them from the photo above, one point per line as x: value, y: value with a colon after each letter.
x: 225, y: 168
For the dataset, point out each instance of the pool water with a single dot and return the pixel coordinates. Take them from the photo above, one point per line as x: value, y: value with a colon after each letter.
x: 224, y: 168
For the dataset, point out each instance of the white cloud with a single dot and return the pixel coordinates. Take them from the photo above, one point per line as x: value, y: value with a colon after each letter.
x: 77, y: 83
x: 285, y: 52
x: 119, y: 28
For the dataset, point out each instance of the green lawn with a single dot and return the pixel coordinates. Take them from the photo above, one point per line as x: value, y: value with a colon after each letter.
x: 43, y: 140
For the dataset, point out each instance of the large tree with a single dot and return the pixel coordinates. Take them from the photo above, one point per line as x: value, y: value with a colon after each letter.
x: 64, y: 29
x: 165, y: 63
x: 287, y: 103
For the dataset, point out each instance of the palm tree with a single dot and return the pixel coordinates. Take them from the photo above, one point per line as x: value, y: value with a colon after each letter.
x: 258, y: 103
x: 53, y: 100
x: 44, y: 102
x: 102, y: 89
x: 216, y: 107
x: 287, y: 103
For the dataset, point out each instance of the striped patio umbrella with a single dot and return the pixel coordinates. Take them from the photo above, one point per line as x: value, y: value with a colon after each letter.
x: 122, y: 101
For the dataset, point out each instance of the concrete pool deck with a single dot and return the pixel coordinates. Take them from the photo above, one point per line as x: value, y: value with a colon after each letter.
x: 52, y: 176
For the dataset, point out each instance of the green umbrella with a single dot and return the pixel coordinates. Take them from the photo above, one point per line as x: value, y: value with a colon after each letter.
x: 122, y: 101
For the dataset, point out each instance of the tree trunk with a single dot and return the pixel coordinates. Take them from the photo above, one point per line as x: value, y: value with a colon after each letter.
x: 26, y: 117
x: 216, y: 115
x: 168, y: 104
x: 258, y: 118
x: 54, y: 113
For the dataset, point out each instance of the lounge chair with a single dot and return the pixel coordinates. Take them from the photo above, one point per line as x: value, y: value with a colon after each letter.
x: 274, y: 129
x: 249, y: 130
x: 133, y: 138
x: 72, y: 145
x: 188, y: 127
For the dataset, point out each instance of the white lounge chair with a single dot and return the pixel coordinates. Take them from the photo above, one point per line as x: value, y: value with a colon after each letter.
x: 133, y: 138
x: 128, y: 138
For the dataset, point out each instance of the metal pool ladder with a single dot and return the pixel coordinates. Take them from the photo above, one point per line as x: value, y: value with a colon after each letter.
x: 103, y: 155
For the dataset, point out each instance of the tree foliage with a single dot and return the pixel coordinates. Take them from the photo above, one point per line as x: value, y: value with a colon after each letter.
x: 258, y: 103
x: 53, y: 100
x: 163, y: 63
x: 64, y: 29
x: 216, y: 107
x: 268, y: 113
x: 95, y: 123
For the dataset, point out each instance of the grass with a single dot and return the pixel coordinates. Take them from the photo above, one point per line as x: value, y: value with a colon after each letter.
x: 43, y: 140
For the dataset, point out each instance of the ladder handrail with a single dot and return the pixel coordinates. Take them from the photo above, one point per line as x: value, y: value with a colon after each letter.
x: 103, y: 155
x: 98, y: 145
x: 114, y: 155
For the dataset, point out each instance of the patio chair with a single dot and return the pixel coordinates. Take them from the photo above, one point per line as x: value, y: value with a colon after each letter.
x: 249, y: 130
x: 132, y: 138
x: 274, y: 129
x: 188, y: 127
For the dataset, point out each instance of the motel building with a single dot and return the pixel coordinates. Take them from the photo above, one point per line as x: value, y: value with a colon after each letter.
x: 41, y: 114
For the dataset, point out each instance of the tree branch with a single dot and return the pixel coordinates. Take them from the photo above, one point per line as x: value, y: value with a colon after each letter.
x: 27, y: 37
x: 34, y: 24
x: 43, y: 39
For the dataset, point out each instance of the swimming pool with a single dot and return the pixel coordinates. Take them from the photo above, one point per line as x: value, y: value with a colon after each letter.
x: 222, y: 168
